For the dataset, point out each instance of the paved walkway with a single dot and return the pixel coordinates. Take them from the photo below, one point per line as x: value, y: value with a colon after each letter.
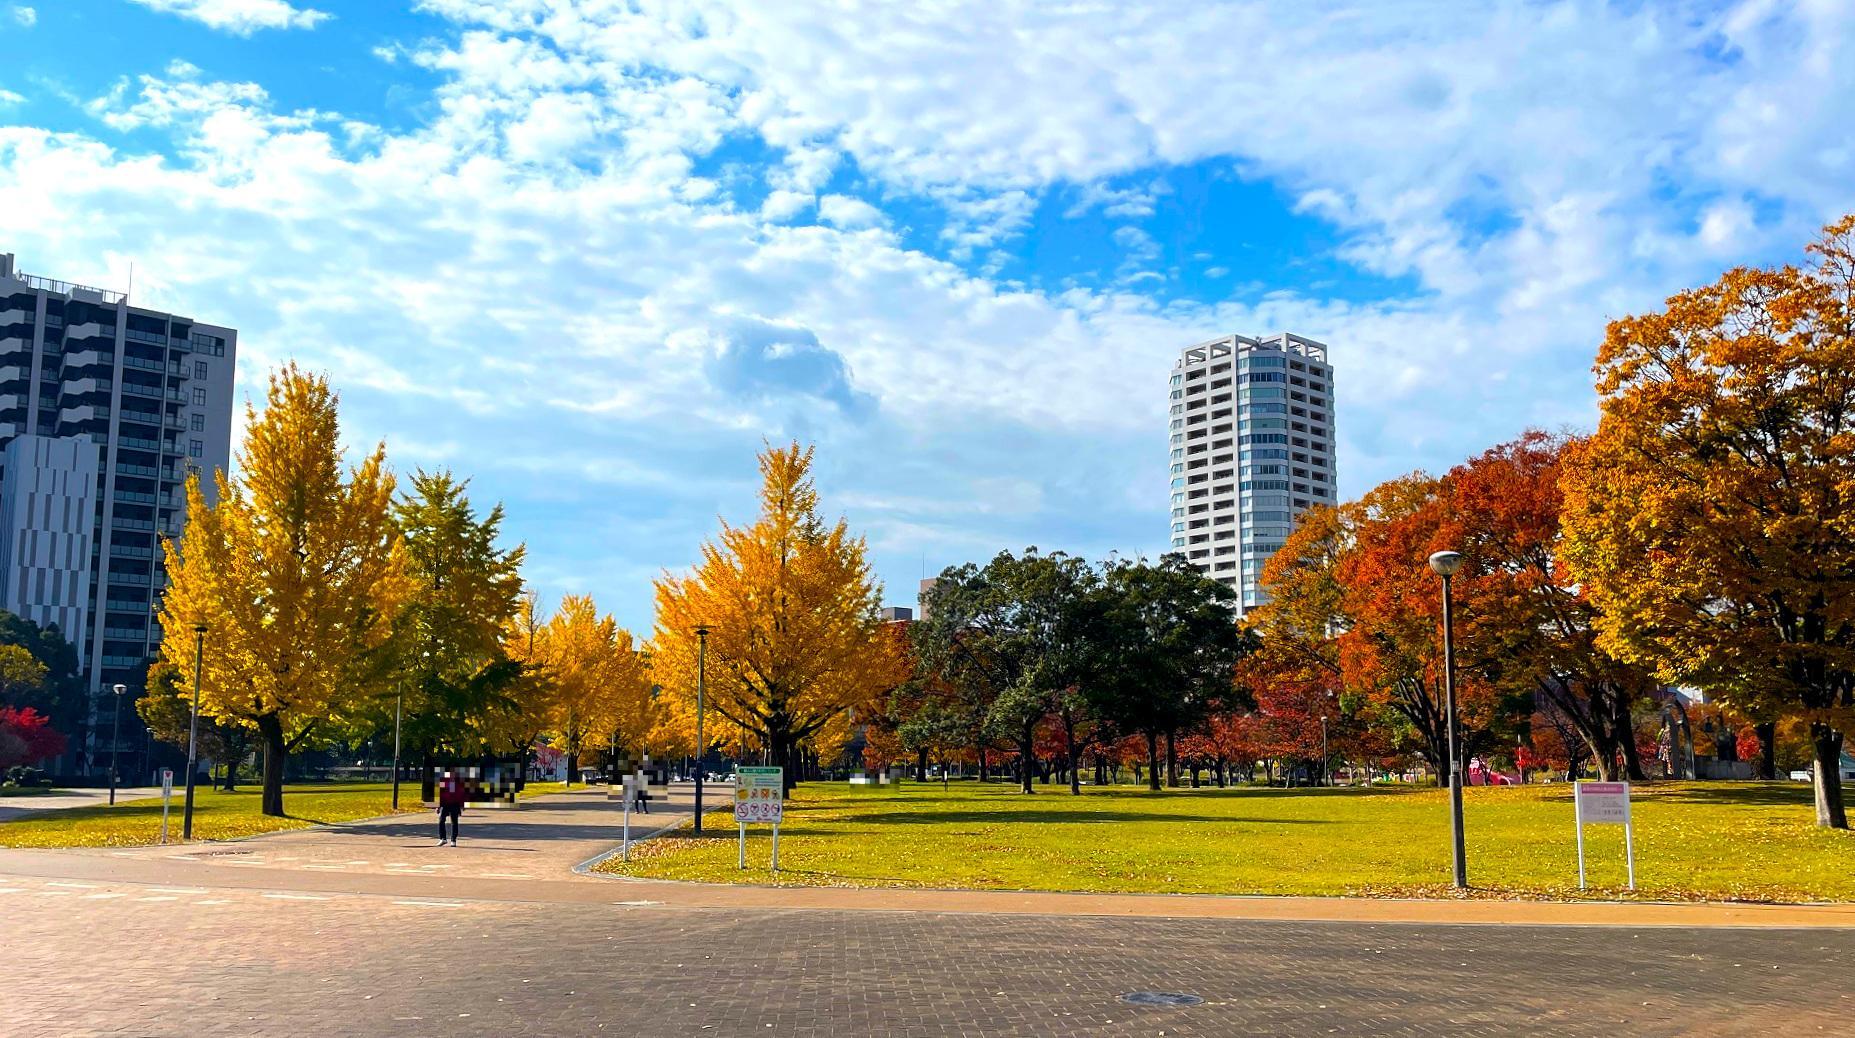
x: 533, y: 853
x: 112, y: 959
x: 59, y: 799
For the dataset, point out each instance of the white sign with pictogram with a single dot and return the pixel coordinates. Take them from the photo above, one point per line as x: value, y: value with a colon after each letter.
x: 1604, y: 803
x: 759, y: 796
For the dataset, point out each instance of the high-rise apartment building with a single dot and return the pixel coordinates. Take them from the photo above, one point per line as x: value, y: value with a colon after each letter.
x: 147, y: 396
x: 1252, y: 448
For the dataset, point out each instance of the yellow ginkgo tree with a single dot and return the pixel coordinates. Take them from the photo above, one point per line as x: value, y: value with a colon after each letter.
x: 795, y: 642
x: 594, y: 683
x: 295, y: 573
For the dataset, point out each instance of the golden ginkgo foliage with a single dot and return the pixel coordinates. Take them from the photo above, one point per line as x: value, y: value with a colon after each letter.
x: 594, y: 686
x: 1712, y: 516
x: 295, y: 573
x: 794, y: 641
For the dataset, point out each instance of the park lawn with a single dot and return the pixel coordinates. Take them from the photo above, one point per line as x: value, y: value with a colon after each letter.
x: 217, y: 815
x: 1742, y: 841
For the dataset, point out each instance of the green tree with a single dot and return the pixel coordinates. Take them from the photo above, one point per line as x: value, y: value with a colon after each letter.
x: 58, y: 693
x: 446, y: 655
x: 1016, y: 638
x: 1169, y: 652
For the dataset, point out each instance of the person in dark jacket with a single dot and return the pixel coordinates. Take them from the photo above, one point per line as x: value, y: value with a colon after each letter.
x: 451, y: 797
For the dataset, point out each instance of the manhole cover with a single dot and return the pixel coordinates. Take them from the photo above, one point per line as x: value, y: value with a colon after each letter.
x: 1160, y: 998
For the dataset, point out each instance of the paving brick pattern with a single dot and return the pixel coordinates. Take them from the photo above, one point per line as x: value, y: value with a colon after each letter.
x: 115, y: 959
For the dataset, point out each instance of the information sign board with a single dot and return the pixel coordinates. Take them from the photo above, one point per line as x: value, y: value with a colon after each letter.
x: 1603, y: 803
x: 759, y: 795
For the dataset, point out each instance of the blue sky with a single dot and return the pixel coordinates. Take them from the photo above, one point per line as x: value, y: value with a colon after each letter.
x: 593, y: 253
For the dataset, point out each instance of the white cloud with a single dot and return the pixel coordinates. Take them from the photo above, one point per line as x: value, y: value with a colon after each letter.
x: 531, y: 283
x: 240, y: 17
x: 8, y: 97
x: 781, y: 206
x: 24, y: 15
x: 845, y: 211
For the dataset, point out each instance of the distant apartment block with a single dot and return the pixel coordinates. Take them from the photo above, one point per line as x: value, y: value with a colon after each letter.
x: 48, y: 493
x: 134, y: 398
x: 1251, y: 438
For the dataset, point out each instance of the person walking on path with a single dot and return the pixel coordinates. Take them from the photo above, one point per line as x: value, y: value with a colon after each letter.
x: 451, y: 796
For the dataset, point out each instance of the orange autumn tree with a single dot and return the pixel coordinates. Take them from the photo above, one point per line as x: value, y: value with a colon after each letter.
x: 1523, y: 623
x: 796, y: 640
x: 1712, y: 516
x: 1392, y: 648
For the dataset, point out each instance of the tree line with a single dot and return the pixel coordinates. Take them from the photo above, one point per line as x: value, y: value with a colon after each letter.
x: 1700, y: 537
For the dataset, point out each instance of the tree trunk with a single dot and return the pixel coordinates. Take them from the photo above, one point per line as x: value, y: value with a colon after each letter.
x: 1074, y: 759
x: 983, y: 764
x: 1172, y: 762
x: 1152, y: 760
x: 1767, y: 750
x: 1026, y: 747
x: 1218, y: 767
x: 573, y: 766
x: 1827, y: 776
x: 270, y: 726
x: 233, y: 752
x: 921, y: 765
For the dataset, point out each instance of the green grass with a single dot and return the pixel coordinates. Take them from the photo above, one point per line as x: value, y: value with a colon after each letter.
x: 1711, y: 840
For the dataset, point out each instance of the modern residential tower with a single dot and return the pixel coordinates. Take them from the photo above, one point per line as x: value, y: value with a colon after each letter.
x: 1252, y: 448
x: 104, y: 409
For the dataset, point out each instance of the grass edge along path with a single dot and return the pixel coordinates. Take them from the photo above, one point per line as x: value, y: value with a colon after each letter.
x: 218, y: 815
x: 1694, y: 841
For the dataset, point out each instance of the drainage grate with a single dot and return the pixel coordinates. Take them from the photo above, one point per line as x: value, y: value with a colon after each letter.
x: 1160, y: 998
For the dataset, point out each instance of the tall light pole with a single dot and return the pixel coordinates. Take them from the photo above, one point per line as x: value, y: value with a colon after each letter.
x: 702, y: 663
x: 399, y: 702
x: 1445, y: 564
x: 193, y: 729
x: 1324, y: 757
x: 115, y: 738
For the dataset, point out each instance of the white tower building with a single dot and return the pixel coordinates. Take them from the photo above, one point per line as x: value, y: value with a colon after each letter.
x: 1252, y: 448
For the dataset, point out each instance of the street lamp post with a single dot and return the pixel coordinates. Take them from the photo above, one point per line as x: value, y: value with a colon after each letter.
x: 193, y: 730
x: 399, y: 702
x: 115, y: 739
x: 702, y: 660
x: 1445, y: 564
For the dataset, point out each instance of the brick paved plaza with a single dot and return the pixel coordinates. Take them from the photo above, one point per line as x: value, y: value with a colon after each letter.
x: 359, y: 930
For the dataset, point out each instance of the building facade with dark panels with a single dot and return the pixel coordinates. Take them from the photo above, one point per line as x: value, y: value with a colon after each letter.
x: 153, y: 392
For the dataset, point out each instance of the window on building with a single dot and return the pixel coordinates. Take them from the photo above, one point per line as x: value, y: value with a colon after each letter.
x: 199, y: 369
x: 196, y: 449
x: 199, y: 397
x: 198, y: 422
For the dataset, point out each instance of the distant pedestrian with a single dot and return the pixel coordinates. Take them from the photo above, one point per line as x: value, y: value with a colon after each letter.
x: 642, y: 798
x: 451, y: 797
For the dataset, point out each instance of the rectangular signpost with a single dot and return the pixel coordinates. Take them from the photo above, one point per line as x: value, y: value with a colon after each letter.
x: 167, y: 794
x: 629, y: 786
x: 759, y: 796
x: 1604, y: 803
